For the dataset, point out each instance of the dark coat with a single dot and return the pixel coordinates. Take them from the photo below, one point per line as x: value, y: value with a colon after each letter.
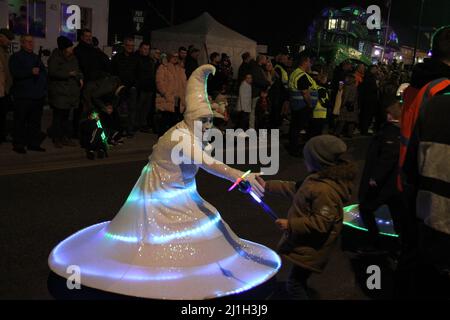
x: 25, y: 84
x: 97, y: 94
x: 126, y: 68
x: 315, y: 216
x: 94, y: 63
x: 382, y: 162
x: 244, y: 69
x: 190, y: 65
x: 368, y: 94
x: 63, y: 88
x: 260, y: 81
x: 146, y: 74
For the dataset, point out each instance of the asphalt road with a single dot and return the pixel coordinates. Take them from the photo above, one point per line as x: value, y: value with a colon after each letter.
x: 40, y: 209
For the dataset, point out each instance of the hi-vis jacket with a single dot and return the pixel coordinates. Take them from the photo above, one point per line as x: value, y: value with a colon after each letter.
x: 297, y: 100
x: 413, y: 102
x: 320, y: 111
x: 284, y: 75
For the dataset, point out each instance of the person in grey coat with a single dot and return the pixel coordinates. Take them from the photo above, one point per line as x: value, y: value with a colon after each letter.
x: 65, y: 83
x: 349, y: 112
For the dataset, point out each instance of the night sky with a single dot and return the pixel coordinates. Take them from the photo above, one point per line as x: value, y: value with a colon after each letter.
x: 284, y: 22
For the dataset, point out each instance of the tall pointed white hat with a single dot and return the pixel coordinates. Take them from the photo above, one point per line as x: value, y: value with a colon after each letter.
x: 197, y: 102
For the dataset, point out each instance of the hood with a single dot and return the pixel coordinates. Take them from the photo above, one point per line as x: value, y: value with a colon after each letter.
x: 341, y: 178
x: 428, y: 71
x: 197, y: 103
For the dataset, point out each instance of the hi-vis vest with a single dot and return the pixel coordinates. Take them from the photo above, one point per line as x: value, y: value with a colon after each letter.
x: 284, y: 75
x: 296, y: 97
x: 320, y: 112
x: 410, y: 113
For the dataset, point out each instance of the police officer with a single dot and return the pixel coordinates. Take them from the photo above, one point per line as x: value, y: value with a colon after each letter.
x: 303, y: 91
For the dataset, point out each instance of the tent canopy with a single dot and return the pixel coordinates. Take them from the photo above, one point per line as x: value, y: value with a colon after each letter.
x: 206, y: 34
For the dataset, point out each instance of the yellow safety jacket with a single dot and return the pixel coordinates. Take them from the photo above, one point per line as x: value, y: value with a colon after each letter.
x: 284, y: 75
x: 297, y: 100
x: 320, y: 111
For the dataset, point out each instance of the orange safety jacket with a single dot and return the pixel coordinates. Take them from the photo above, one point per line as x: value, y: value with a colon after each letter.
x: 414, y: 99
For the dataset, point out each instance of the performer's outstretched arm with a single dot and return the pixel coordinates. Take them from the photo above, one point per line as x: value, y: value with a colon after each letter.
x: 195, y: 154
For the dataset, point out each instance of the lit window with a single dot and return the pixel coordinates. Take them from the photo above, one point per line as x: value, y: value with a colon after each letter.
x: 332, y: 24
x: 27, y: 17
x: 344, y: 25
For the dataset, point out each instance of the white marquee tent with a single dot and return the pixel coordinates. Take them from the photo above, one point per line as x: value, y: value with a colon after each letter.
x: 206, y: 34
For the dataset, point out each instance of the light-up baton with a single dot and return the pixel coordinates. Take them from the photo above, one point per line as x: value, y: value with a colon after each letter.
x: 245, y: 187
x: 99, y: 125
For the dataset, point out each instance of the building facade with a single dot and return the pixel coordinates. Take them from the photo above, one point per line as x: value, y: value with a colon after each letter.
x: 47, y: 19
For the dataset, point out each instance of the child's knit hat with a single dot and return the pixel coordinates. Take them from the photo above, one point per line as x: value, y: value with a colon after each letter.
x: 324, y: 151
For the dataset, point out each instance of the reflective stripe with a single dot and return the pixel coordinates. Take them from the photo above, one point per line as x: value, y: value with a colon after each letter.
x: 404, y: 140
x: 434, y: 210
x: 297, y: 99
x: 284, y: 74
x: 433, y: 159
x: 320, y: 112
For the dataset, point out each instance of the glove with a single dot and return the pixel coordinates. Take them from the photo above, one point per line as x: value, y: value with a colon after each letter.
x: 256, y: 186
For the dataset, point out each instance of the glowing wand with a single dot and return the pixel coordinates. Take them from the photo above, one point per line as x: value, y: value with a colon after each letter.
x: 245, y: 187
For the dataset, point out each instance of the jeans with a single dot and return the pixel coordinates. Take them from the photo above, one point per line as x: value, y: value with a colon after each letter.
x: 129, y: 100
x: 27, y: 122
x: 61, y: 123
x: 145, y: 107
x: 300, y: 120
x: 296, y: 285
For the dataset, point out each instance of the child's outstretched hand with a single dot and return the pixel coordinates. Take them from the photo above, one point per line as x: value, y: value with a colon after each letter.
x: 261, y: 182
x: 283, y: 224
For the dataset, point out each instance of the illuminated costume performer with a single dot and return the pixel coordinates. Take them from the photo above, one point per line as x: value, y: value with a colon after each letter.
x: 166, y: 242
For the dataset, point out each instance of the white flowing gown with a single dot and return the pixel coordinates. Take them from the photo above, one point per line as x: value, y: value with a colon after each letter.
x: 167, y: 242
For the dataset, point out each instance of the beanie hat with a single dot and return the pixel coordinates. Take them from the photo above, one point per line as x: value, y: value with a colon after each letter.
x: 64, y: 43
x: 324, y: 151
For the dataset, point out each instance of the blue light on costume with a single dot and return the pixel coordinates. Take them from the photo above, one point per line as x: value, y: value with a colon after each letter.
x: 121, y: 238
x: 164, y: 195
x: 191, y: 232
x: 205, y: 227
x: 352, y: 219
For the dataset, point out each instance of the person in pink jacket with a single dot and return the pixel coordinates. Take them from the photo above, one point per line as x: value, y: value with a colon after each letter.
x: 171, y: 85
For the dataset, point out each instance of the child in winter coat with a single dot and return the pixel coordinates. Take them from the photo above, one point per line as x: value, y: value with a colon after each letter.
x: 315, y: 218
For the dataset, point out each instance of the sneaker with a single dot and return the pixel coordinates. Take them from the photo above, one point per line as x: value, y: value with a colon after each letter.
x: 102, y: 154
x: 90, y: 155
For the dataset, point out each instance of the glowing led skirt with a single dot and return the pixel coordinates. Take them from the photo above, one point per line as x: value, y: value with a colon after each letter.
x: 382, y: 217
x: 165, y: 244
x: 128, y: 268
